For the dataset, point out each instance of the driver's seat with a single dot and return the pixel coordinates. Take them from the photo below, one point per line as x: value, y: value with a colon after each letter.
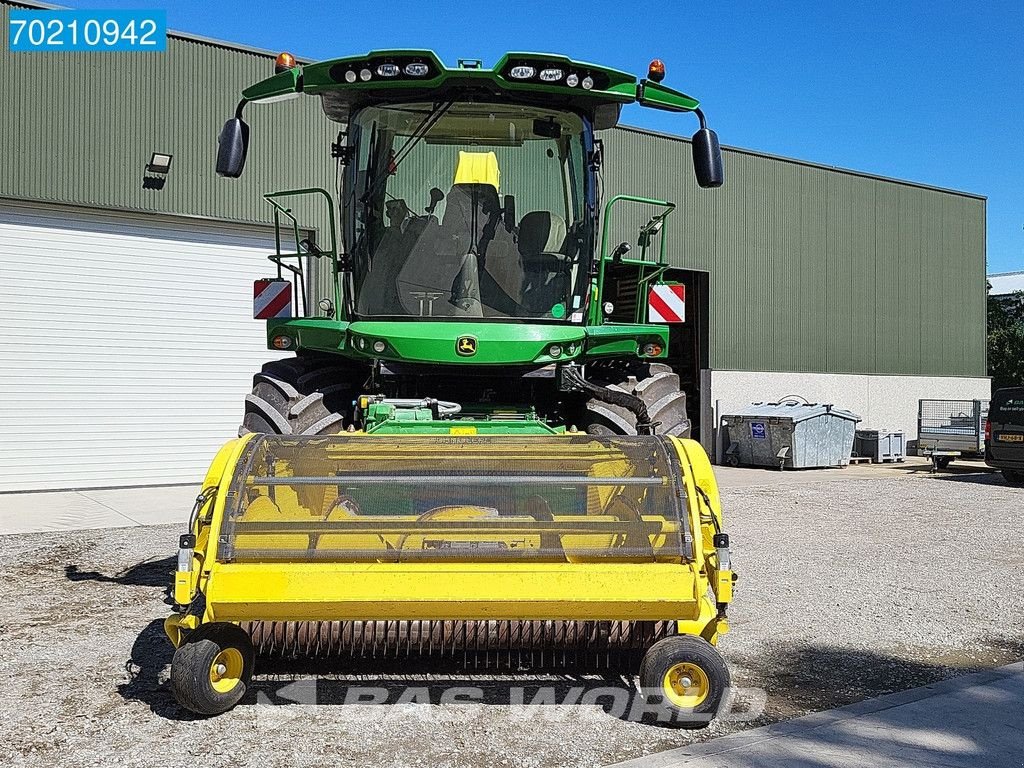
x: 546, y: 276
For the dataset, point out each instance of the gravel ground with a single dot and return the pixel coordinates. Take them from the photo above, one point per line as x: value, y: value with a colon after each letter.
x: 849, y: 589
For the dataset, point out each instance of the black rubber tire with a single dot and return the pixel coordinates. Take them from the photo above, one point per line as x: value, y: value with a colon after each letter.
x: 942, y: 462
x: 297, y: 396
x: 190, y: 668
x: 677, y: 649
x: 1014, y: 476
x: 656, y: 383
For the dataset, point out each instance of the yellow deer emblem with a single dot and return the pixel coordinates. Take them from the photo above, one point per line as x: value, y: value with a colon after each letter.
x: 465, y: 346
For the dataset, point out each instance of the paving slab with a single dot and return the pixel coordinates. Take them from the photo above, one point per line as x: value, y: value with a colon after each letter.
x: 41, y: 511
x: 963, y: 722
x: 148, y: 506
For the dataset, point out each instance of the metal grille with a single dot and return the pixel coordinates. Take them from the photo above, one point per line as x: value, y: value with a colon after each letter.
x: 952, y: 417
x: 352, y: 498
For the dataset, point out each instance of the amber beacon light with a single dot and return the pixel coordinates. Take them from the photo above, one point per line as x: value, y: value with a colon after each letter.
x: 284, y: 62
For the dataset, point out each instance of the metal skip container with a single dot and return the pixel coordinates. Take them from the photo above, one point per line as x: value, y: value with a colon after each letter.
x: 789, y: 435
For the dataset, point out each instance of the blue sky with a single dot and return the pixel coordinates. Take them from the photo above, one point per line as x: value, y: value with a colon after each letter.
x: 931, y: 91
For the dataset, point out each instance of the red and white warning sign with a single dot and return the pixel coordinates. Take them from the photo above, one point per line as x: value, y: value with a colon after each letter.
x: 666, y: 303
x: 271, y: 298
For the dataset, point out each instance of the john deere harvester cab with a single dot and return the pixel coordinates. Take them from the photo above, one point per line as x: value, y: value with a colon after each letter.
x: 468, y: 271
x: 466, y: 457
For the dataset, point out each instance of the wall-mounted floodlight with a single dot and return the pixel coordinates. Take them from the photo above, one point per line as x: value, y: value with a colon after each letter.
x: 159, y: 163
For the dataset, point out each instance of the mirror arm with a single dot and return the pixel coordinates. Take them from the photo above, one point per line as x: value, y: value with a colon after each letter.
x: 238, y: 109
x: 696, y: 110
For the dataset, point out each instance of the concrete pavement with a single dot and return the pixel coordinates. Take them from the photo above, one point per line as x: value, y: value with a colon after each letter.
x: 963, y: 722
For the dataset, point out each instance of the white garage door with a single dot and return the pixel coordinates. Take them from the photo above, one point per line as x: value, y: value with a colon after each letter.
x: 128, y: 344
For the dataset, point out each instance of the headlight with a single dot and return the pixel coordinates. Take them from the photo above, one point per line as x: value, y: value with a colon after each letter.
x: 572, y: 80
x: 652, y: 350
x: 351, y: 76
x: 588, y: 83
x: 281, y: 342
x: 416, y: 69
x: 379, y: 346
x: 522, y: 72
x: 551, y: 75
x: 388, y: 70
x: 365, y: 74
x: 555, y: 350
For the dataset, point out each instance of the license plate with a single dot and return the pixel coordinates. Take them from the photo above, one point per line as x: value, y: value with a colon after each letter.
x: 1005, y: 438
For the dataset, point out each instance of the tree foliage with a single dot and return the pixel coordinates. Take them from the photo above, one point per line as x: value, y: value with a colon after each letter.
x: 1006, y: 340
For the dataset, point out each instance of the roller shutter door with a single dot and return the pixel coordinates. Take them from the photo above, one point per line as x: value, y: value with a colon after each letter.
x: 128, y: 344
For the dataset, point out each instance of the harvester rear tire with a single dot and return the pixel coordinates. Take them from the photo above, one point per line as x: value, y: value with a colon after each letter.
x: 655, y: 383
x: 685, y: 678
x: 295, y: 396
x: 212, y: 669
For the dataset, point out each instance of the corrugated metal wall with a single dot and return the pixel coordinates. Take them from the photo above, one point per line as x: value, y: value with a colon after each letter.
x: 814, y: 269
x: 80, y: 127
x: 811, y: 269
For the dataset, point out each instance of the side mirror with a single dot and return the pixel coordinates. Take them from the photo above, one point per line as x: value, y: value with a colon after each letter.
x: 707, y: 159
x: 232, y: 146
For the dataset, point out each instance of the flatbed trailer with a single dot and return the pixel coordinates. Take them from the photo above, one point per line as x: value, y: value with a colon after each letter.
x: 951, y: 429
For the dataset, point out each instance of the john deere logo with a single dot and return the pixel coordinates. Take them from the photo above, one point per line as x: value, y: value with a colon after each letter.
x: 466, y: 346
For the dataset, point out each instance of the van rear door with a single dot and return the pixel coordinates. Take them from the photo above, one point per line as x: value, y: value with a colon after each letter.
x: 1006, y: 419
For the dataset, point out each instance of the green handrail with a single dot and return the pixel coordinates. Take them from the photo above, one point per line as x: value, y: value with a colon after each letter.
x: 596, y: 308
x: 271, y: 197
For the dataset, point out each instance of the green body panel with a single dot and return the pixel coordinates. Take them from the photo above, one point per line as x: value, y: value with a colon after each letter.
x: 280, y: 84
x: 497, y: 343
x: 313, y: 333
x: 623, y: 340
x: 658, y: 96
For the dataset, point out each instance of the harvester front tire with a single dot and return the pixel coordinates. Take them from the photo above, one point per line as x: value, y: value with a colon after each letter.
x: 685, y: 678
x: 292, y: 397
x: 655, y: 383
x: 212, y: 669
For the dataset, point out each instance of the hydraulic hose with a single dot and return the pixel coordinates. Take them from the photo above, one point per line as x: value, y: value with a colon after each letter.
x: 635, y: 405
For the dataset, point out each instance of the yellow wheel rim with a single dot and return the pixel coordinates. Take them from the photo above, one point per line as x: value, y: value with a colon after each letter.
x: 226, y: 670
x: 686, y: 685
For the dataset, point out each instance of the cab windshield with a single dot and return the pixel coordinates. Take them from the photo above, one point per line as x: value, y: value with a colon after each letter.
x: 467, y: 210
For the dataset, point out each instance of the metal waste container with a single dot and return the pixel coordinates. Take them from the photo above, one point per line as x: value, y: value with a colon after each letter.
x: 880, y: 445
x: 794, y: 435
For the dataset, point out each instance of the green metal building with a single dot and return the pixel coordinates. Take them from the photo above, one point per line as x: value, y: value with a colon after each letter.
x: 834, y: 285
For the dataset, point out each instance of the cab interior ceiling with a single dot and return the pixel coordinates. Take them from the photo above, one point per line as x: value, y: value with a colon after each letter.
x: 339, y: 104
